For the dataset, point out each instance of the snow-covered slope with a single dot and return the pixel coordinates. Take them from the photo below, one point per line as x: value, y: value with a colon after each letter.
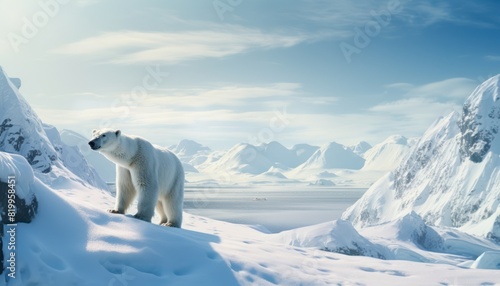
x: 279, y: 155
x: 387, y: 155
x: 451, y: 176
x: 407, y: 238
x: 333, y: 156
x: 242, y: 158
x: 105, y: 168
x: 88, y: 246
x: 304, y: 151
x: 188, y: 148
x: 360, y: 148
x: 22, y: 132
x: 250, y: 159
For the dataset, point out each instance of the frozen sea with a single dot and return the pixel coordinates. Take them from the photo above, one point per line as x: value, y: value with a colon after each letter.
x: 276, y: 208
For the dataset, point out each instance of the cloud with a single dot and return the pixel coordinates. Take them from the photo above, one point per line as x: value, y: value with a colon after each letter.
x: 453, y: 88
x: 133, y: 47
x: 346, y: 14
x: 229, y: 114
x: 492, y: 58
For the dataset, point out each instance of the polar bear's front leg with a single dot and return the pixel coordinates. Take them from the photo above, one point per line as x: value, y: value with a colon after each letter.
x: 147, y: 189
x: 146, y: 204
x: 125, y: 191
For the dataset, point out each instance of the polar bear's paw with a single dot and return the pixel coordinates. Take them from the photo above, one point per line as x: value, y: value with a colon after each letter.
x: 115, y: 211
x: 142, y: 217
x: 169, y: 224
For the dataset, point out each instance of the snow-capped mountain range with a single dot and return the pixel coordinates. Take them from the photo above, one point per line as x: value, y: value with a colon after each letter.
x: 451, y: 176
x: 22, y: 132
x: 454, y: 167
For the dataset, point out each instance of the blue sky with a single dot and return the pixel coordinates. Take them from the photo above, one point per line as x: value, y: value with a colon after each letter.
x: 229, y: 71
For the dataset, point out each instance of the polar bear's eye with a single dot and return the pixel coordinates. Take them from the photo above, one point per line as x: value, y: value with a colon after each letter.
x: 104, y: 135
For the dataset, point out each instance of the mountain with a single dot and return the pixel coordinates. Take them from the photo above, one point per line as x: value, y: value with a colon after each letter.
x: 191, y: 154
x: 279, y: 155
x: 22, y: 132
x: 186, y: 149
x: 242, y: 158
x: 333, y: 156
x: 250, y: 159
x: 105, y: 168
x: 387, y: 155
x: 304, y: 151
x: 360, y: 148
x: 451, y: 176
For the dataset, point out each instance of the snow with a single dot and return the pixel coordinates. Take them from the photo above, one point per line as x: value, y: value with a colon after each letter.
x: 442, y: 179
x: 432, y: 221
x: 105, y: 168
x: 387, y: 155
x: 92, y: 247
x: 16, y: 166
x: 333, y: 155
x: 22, y: 132
x: 487, y: 260
x: 360, y: 148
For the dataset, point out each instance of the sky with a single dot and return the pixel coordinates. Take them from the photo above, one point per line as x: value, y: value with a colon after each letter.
x: 222, y: 72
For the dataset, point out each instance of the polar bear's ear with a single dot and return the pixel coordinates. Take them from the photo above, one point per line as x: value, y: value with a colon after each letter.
x: 118, y: 133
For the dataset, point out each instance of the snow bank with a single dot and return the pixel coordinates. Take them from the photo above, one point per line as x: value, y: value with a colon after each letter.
x: 336, y: 236
x: 487, y: 260
x: 17, y: 166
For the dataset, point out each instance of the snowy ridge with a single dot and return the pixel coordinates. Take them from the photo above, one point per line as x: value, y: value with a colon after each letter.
x: 22, y: 132
x: 387, y: 155
x: 333, y: 155
x: 450, y: 178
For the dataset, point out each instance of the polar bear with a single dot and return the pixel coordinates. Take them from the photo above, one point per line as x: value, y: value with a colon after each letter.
x: 151, y: 172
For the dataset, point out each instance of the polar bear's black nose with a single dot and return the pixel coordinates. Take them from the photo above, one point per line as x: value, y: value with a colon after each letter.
x: 92, y: 144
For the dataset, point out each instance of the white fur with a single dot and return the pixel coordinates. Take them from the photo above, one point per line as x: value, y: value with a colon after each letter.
x: 151, y: 172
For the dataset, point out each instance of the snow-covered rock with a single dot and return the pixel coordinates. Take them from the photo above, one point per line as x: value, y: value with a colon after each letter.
x: 387, y: 155
x: 333, y: 155
x: 451, y: 176
x: 16, y: 178
x: 22, y: 132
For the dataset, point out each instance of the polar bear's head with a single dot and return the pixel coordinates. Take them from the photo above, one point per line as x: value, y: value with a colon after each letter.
x: 104, y: 139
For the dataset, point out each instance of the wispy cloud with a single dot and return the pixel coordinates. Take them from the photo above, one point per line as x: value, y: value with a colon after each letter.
x: 234, y: 113
x: 131, y: 47
x: 346, y: 14
x: 453, y: 88
x: 492, y: 58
